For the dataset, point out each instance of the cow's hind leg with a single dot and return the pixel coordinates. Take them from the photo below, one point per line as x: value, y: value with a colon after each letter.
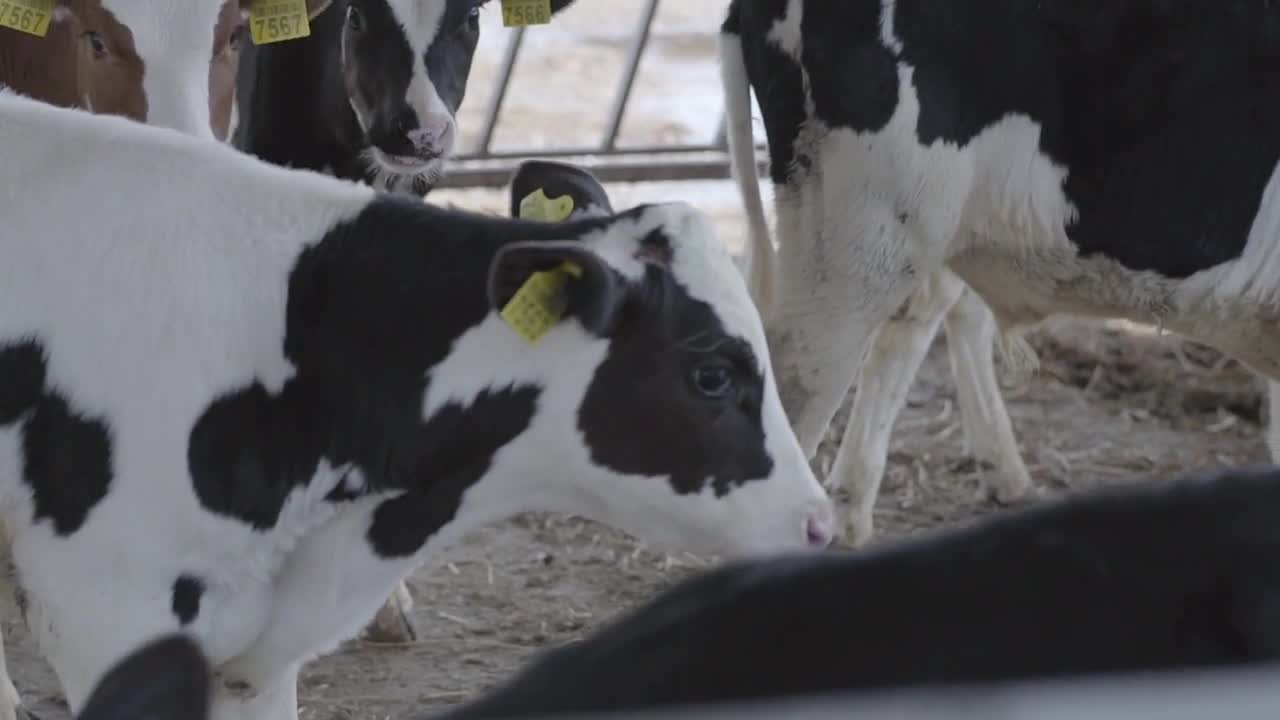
x: 896, y: 352
x: 988, y: 433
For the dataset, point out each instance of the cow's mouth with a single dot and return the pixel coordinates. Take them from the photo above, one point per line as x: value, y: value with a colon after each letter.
x: 404, y: 164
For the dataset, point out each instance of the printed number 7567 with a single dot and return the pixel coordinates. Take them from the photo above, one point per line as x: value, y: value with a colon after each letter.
x: 276, y: 27
x: 21, y: 18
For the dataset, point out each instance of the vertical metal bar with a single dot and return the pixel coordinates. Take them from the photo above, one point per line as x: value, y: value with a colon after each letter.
x: 504, y: 82
x: 628, y: 77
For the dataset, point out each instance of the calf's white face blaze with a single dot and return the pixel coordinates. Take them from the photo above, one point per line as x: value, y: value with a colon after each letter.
x: 174, y: 40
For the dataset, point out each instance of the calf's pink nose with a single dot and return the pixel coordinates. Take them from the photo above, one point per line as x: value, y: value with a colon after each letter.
x: 433, y: 133
x: 818, y: 531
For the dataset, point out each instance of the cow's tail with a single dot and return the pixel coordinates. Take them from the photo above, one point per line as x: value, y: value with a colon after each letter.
x: 758, y: 253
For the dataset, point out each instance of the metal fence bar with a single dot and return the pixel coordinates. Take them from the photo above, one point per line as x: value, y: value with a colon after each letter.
x: 504, y: 83
x: 485, y: 167
x: 638, y: 44
x: 622, y: 167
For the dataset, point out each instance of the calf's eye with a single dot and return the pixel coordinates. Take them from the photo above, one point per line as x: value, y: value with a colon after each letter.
x: 714, y: 381
x: 96, y: 42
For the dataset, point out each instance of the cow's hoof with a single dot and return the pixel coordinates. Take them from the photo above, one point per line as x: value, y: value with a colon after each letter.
x: 392, y: 623
x: 859, y: 529
x: 1012, y: 494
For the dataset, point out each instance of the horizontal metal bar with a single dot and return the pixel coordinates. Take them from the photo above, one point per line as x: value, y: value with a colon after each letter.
x: 608, y: 167
x: 528, y: 153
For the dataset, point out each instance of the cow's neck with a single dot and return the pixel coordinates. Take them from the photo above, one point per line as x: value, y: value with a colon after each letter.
x: 422, y: 384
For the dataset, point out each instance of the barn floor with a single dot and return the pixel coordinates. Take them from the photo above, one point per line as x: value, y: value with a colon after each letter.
x: 1110, y: 404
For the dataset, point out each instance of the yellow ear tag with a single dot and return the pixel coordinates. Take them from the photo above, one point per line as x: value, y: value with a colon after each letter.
x: 540, y: 302
x: 516, y: 13
x: 29, y: 16
x: 273, y: 21
x: 537, y: 206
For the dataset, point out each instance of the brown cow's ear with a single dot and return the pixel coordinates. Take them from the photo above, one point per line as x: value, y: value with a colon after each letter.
x: 315, y: 7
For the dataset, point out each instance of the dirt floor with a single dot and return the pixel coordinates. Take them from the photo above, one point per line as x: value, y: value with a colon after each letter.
x: 1110, y: 404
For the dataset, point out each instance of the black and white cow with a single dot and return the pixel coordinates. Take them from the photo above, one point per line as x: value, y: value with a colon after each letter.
x: 1161, y: 577
x: 244, y: 402
x: 1104, y: 159
x: 371, y: 95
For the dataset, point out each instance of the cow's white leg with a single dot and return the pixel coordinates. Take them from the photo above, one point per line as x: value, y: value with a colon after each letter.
x: 9, y: 698
x: 839, y: 280
x: 988, y: 433
x: 393, y: 623
x: 1273, y: 420
x: 896, y: 352
x: 268, y: 697
x: 328, y: 590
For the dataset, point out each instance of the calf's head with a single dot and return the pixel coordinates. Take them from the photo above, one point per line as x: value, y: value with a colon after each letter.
x: 659, y: 370
x: 148, y: 60
x: 172, y: 43
x: 86, y: 59
x: 405, y: 65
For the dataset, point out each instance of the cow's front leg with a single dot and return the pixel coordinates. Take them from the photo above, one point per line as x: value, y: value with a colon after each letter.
x: 896, y: 352
x: 272, y: 696
x: 328, y: 590
x: 10, y: 700
x: 1273, y: 420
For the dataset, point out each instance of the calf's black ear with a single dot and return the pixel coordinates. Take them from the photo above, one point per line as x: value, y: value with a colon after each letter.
x: 558, y: 5
x: 546, y: 190
x: 167, y: 679
x: 535, y: 285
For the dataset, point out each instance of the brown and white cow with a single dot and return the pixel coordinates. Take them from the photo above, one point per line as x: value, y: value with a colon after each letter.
x: 155, y: 61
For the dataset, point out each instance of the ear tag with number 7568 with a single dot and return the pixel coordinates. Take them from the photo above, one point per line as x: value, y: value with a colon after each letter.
x: 516, y: 13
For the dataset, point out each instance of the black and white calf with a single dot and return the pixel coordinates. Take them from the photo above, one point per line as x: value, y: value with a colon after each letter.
x: 371, y: 95
x: 244, y: 402
x: 1105, y: 159
x: 1112, y: 582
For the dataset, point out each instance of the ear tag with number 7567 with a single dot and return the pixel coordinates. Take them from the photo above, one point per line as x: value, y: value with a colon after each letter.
x: 272, y: 21
x: 28, y: 16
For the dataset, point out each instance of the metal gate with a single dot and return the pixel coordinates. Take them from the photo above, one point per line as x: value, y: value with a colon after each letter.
x: 485, y: 167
